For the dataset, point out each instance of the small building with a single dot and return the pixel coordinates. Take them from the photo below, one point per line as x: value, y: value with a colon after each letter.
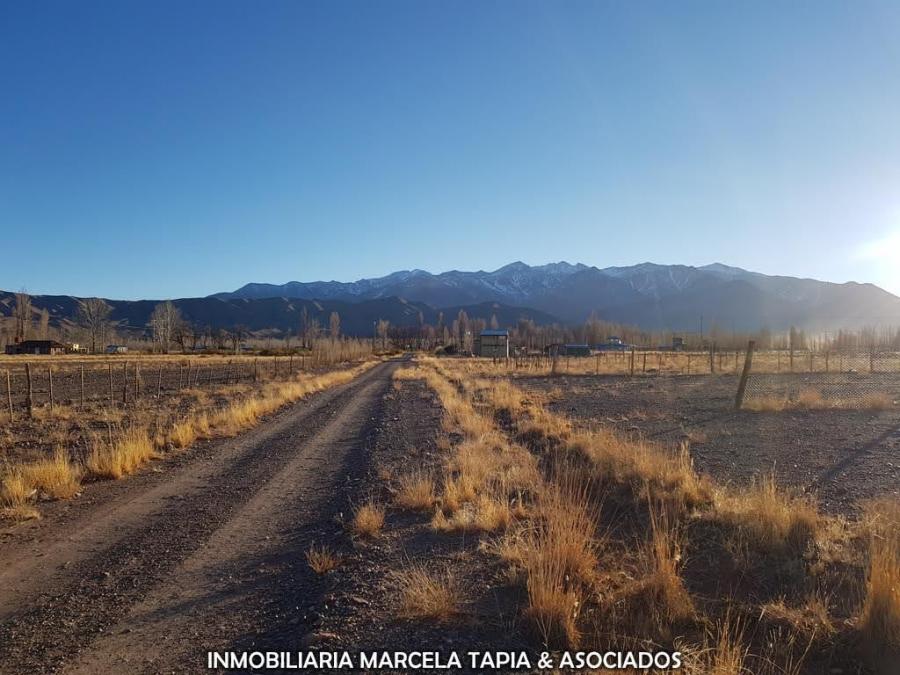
x: 492, y: 344
x: 575, y: 350
x: 37, y: 347
x: 116, y: 349
x: 613, y: 344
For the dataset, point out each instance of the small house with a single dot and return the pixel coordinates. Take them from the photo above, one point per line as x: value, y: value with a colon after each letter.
x: 492, y: 344
x: 37, y: 347
x: 116, y: 349
x: 576, y: 350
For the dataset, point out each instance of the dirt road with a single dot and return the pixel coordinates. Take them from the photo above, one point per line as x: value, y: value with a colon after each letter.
x: 204, y: 552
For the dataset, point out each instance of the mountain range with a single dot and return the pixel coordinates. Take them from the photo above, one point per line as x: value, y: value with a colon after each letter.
x: 652, y: 296
x: 649, y: 295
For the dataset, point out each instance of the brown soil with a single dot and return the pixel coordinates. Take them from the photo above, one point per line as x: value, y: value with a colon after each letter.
x: 843, y: 457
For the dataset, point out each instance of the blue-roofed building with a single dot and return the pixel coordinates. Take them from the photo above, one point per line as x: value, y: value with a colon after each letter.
x: 492, y: 343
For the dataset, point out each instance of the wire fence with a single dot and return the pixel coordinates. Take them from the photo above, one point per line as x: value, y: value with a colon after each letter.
x: 823, y: 379
x: 35, y: 384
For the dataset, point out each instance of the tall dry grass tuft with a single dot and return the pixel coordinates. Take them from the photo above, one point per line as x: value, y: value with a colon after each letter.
x: 56, y: 476
x: 879, y: 621
x: 670, y: 600
x: 416, y: 491
x: 123, y: 456
x: 368, y: 519
x: 322, y: 559
x: 428, y: 595
x: 183, y: 433
x: 767, y: 518
x: 14, y: 495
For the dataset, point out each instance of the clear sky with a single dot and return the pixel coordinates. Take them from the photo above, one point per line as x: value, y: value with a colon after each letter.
x: 166, y: 149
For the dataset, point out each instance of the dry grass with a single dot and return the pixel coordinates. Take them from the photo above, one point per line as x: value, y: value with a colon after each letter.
x: 553, y: 546
x: 879, y: 622
x: 767, y: 518
x: 322, y: 559
x: 183, y: 433
x: 15, y: 493
x: 56, y: 476
x: 812, y: 399
x: 123, y: 456
x: 670, y: 600
x: 368, y: 519
x: 428, y: 595
x: 416, y: 491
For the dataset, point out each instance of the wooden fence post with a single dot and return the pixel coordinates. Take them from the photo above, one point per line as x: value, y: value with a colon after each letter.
x: 137, y: 380
x: 745, y: 374
x: 9, y: 396
x: 50, y: 385
x: 109, y: 370
x: 644, y: 365
x: 631, y: 363
x: 712, y: 364
x: 125, y: 383
x: 158, y: 381
x: 82, y: 387
x: 29, y: 401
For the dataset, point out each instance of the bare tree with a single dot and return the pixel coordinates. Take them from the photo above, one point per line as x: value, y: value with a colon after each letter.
x: 22, y: 315
x: 383, y: 327
x: 238, y: 333
x: 93, y: 316
x: 334, y: 325
x: 44, y: 325
x: 164, y: 322
x: 304, y: 326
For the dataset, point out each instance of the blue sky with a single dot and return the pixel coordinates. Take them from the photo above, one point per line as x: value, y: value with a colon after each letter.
x: 167, y: 149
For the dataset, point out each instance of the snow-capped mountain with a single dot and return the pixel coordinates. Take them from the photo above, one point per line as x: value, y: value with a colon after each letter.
x: 648, y: 294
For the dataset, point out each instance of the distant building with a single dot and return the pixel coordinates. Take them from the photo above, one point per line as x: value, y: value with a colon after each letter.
x: 116, y: 349
x: 612, y: 344
x: 46, y: 347
x: 492, y: 343
x: 575, y: 350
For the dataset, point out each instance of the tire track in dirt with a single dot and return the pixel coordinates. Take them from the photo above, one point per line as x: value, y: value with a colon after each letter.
x: 198, y: 567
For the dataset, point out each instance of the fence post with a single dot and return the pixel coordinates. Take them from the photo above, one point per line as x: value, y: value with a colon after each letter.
x: 712, y: 365
x: 158, y: 381
x: 644, y: 364
x: 745, y: 374
x: 9, y: 396
x: 137, y: 380
x: 82, y: 387
x: 50, y: 385
x: 29, y: 401
x: 125, y: 383
x: 109, y: 370
x: 631, y: 364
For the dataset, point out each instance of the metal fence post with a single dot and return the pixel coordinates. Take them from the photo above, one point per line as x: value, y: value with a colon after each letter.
x: 745, y: 374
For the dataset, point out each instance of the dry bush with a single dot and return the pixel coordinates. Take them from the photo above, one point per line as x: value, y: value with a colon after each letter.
x: 322, y: 559
x: 767, y: 518
x: 416, y: 491
x: 125, y: 455
x: 56, y: 476
x: 428, y: 595
x: 368, y: 519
